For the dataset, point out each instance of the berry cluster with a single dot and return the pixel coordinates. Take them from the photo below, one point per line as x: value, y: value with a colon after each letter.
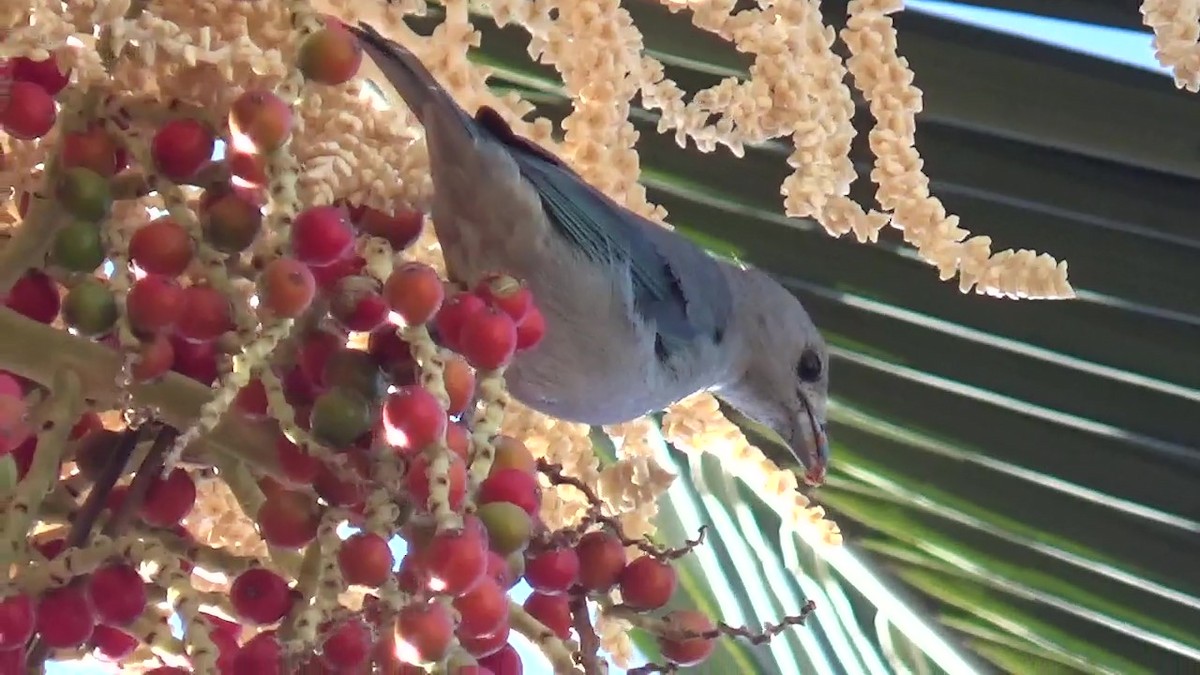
x: 377, y: 384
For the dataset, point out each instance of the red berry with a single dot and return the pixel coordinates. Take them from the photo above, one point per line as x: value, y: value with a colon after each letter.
x: 331, y: 55
x: 118, y: 594
x: 453, y: 316
x: 501, y: 571
x: 514, y: 486
x: 315, y: 350
x: 259, y: 120
x: 601, y: 560
x: 64, y: 617
x: 196, y: 360
x: 162, y: 246
x: 415, y: 292
x: 488, y: 339
x: 460, y: 384
x: 531, y: 330
x: 392, y: 354
x: 155, y: 356
x: 483, y: 608
x: 416, y: 480
x: 453, y: 562
x: 261, y: 655
x: 413, y: 419
x: 357, y: 304
x: 169, y: 499
x: 690, y: 651
x: 505, y: 661
x: 507, y: 293
x: 348, y: 265
x: 288, y: 520
x: 347, y: 646
x: 553, y: 611
x: 553, y: 571
x: 251, y: 400
x: 93, y: 148
x: 45, y: 73
x: 647, y: 583
x: 35, y: 296
x: 260, y: 596
x: 400, y: 230
x: 207, y: 316
x: 423, y: 633
x: 155, y: 303
x: 321, y: 235
x: 17, y: 615
x: 297, y: 465
x: 286, y: 287
x: 250, y: 167
x: 365, y: 559
x: 181, y: 147
x: 458, y: 440
x: 222, y: 626
x: 30, y: 113
x: 112, y: 644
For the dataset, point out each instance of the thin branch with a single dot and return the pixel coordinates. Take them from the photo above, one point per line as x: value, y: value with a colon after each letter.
x: 595, y: 515
x: 589, y: 642
x: 147, y: 474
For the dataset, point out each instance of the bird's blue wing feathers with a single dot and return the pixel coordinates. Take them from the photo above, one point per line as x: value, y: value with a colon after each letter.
x: 606, y: 233
x: 603, y: 231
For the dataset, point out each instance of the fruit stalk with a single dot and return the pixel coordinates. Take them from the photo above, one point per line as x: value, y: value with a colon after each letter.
x: 555, y: 649
x: 327, y: 583
x: 31, y: 242
x: 36, y: 351
x: 63, y: 407
x: 589, y: 642
x: 485, y: 424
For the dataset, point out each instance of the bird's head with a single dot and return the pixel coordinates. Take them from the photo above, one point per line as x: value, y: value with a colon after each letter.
x: 782, y: 377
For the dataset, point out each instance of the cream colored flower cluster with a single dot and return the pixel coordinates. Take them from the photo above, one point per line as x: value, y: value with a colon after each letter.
x: 1176, y: 26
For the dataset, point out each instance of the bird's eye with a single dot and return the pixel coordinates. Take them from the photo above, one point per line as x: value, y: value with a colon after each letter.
x: 809, y: 368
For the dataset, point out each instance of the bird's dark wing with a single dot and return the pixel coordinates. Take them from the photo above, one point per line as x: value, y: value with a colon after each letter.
x: 606, y: 232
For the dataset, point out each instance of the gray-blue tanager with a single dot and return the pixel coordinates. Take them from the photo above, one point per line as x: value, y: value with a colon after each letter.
x: 637, y: 316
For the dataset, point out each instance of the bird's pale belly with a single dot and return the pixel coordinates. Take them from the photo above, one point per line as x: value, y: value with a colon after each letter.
x: 586, y: 388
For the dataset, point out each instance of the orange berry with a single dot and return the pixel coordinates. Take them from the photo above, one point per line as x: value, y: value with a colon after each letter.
x: 286, y: 287
x: 460, y: 384
x: 415, y: 292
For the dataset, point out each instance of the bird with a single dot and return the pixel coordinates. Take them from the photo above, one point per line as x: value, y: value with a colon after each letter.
x: 637, y: 316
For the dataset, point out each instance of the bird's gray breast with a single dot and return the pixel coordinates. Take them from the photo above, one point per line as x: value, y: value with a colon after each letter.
x: 597, y: 363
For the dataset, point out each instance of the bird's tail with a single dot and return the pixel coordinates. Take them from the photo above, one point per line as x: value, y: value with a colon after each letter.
x: 405, y: 72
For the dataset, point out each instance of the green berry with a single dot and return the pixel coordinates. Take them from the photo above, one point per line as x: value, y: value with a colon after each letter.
x: 78, y: 247
x: 231, y: 223
x: 90, y: 308
x: 340, y: 416
x: 356, y: 371
x: 84, y: 194
x: 509, y: 527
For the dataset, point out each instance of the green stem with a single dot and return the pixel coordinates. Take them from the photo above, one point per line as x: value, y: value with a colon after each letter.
x: 31, y: 243
x: 36, y: 351
x: 63, y: 408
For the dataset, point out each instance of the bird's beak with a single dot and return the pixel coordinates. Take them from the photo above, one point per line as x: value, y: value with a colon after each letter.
x: 810, y: 444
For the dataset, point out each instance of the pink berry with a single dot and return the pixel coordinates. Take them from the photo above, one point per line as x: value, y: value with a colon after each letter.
x: 260, y: 596
x: 321, y: 235
x: 118, y: 594
x: 17, y: 615
x: 64, y: 617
